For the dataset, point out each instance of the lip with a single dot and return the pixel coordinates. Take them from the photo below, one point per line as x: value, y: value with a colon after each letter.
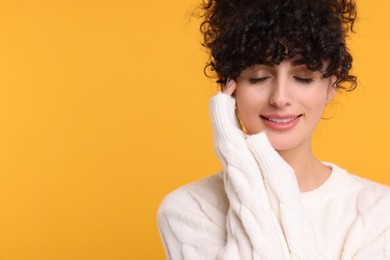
x: 281, y: 126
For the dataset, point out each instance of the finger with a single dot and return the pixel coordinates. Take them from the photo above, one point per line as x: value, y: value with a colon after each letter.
x: 229, y: 87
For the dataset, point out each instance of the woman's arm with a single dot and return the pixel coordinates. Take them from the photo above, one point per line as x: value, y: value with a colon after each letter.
x: 251, y: 223
x: 379, y: 249
x: 249, y: 229
x: 189, y: 235
x: 192, y: 220
x: 281, y: 184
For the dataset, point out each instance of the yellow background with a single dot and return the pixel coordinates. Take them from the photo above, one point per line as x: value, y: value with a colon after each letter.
x: 103, y: 111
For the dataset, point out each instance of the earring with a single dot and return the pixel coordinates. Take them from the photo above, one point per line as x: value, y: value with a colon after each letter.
x: 242, y: 126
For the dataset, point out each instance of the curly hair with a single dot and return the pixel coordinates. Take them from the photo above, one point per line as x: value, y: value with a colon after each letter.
x: 242, y: 33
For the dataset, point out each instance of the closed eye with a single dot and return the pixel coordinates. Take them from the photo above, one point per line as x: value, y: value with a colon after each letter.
x: 257, y: 80
x: 304, y: 80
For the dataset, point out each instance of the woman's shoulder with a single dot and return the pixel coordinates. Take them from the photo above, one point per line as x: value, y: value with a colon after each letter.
x: 191, y: 219
x: 371, y: 195
x: 357, y: 182
x: 345, y: 187
x: 198, y: 197
x: 372, y: 220
x: 370, y: 187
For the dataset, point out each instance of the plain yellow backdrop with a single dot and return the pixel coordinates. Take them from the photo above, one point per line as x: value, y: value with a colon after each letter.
x: 103, y: 111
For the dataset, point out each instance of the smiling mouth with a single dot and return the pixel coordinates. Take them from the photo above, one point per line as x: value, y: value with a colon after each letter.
x: 281, y: 123
x: 280, y: 120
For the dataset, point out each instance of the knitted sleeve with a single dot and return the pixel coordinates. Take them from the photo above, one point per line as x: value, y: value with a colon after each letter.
x: 189, y: 235
x: 369, y: 235
x: 249, y: 229
x: 192, y: 220
x: 264, y: 218
x: 282, y: 187
x: 379, y: 248
x: 253, y: 231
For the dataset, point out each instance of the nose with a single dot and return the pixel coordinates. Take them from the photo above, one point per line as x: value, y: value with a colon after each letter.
x: 280, y: 94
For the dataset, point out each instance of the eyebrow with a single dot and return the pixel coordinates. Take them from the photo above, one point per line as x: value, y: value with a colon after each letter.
x: 298, y: 62
x: 295, y: 63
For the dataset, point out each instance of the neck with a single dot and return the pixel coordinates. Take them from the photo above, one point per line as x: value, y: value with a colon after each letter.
x: 309, y: 171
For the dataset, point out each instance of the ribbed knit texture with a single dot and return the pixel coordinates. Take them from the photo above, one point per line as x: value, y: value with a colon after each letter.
x: 253, y: 208
x: 252, y: 227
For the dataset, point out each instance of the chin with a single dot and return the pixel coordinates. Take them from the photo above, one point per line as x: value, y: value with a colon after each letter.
x: 280, y: 144
x: 280, y: 141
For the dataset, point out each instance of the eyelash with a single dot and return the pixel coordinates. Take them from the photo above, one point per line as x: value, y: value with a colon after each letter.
x: 306, y: 81
x: 257, y: 80
x: 302, y: 80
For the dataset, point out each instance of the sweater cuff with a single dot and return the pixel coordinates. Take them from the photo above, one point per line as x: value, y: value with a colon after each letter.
x: 276, y: 170
x: 223, y: 118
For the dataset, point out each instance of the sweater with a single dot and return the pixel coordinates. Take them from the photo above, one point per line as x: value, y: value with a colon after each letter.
x: 253, y: 209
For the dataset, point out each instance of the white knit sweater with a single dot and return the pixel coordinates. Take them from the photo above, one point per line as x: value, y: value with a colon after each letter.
x: 253, y: 209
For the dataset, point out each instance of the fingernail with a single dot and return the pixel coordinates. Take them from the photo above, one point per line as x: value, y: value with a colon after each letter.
x: 229, y: 82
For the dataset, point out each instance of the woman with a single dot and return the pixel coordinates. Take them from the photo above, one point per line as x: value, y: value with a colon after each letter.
x: 282, y: 62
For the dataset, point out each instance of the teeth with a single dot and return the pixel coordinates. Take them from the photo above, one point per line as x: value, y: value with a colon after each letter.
x: 277, y: 120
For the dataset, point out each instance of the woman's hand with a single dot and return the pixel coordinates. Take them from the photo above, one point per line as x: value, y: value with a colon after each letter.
x: 229, y: 87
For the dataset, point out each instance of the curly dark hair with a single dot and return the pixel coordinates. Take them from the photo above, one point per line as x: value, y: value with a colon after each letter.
x: 242, y: 33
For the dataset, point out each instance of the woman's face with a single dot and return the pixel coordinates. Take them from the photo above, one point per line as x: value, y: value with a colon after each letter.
x: 285, y: 100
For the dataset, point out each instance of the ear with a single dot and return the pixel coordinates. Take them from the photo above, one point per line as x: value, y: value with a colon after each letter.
x: 331, y: 89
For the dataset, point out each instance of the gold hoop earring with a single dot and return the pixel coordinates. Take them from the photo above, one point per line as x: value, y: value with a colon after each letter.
x: 243, y: 128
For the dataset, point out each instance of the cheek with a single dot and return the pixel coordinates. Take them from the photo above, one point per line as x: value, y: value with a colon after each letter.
x: 315, y: 104
x: 249, y: 103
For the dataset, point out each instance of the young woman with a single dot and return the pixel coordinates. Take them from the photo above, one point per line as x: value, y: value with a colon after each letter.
x: 279, y: 63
